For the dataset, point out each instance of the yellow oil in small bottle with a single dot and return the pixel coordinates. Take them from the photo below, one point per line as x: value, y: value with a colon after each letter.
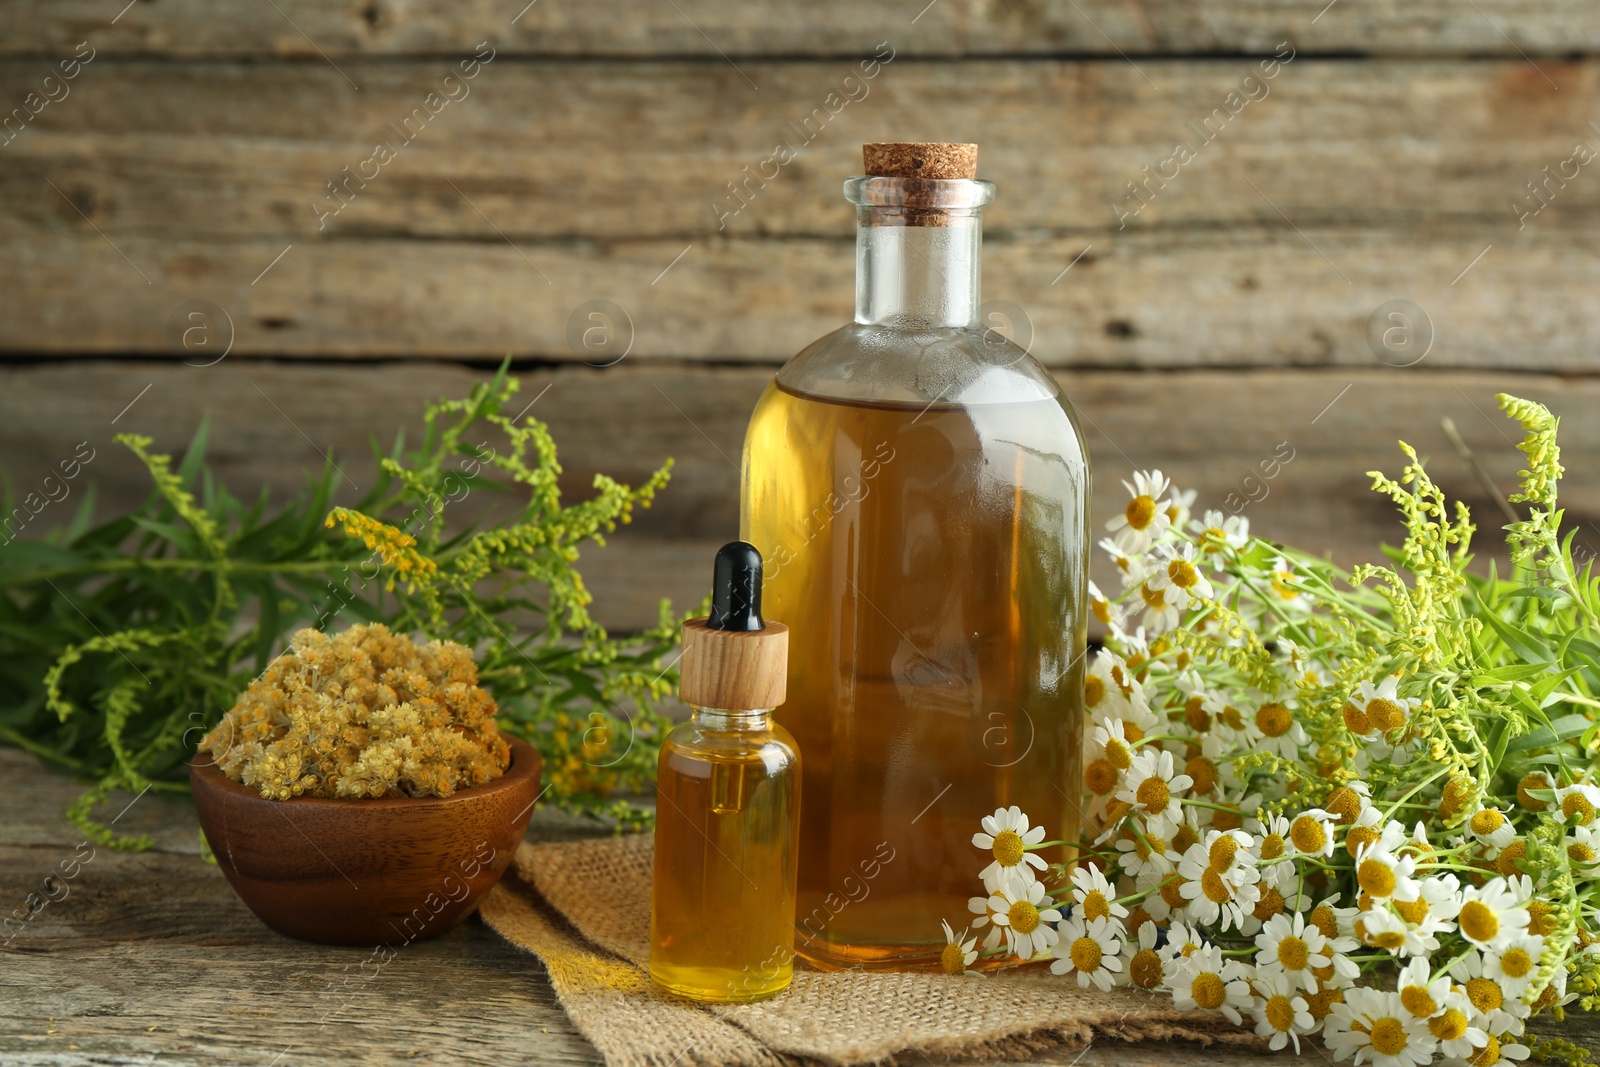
x: 727, y: 805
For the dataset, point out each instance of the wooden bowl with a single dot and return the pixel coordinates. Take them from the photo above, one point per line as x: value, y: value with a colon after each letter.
x: 365, y: 872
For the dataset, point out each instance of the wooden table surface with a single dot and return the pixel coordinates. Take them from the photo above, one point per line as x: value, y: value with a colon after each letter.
x: 149, y: 957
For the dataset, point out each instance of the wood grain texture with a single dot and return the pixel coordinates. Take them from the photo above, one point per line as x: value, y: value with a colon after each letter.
x: 150, y: 956
x: 558, y: 183
x: 183, y: 28
x: 1249, y: 297
x: 569, y: 151
x: 1209, y: 430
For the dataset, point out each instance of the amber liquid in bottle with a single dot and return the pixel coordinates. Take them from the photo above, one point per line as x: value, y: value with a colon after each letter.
x: 919, y: 489
x: 721, y: 916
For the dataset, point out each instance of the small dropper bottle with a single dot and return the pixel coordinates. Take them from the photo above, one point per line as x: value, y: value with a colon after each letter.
x: 727, y: 804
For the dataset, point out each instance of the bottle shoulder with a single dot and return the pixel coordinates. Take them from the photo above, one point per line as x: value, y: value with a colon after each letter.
x: 770, y: 742
x: 886, y: 364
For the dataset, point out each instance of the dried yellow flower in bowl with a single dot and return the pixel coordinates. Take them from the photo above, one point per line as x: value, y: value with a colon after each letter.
x: 367, y: 713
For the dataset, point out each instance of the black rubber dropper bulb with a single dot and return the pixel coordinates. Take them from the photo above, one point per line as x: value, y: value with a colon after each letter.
x: 736, y: 588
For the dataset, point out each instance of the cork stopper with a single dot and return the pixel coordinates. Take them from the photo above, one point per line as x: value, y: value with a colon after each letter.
x: 733, y: 658
x: 734, y: 669
x: 920, y: 159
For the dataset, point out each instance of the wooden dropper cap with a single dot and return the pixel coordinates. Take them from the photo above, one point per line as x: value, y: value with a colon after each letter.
x: 732, y: 658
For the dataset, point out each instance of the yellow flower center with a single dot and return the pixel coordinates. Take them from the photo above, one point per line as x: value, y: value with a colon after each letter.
x: 1323, y: 919
x: 1024, y: 917
x: 1213, y: 539
x: 1457, y: 791
x: 1215, y: 889
x: 1222, y: 853
x: 1204, y: 773
x: 1155, y: 598
x: 1118, y: 754
x: 1195, y: 715
x: 1280, y: 1012
x: 1390, y: 940
x: 1095, y: 905
x: 1271, y: 846
x: 1182, y: 574
x: 1531, y: 781
x: 1516, y: 963
x: 1101, y: 608
x: 1184, y: 838
x: 1308, y: 835
x: 1208, y: 991
x: 1507, y: 863
x: 1270, y: 904
x: 1232, y: 717
x: 1577, y: 805
x: 1385, y: 715
x: 1487, y: 821
x: 1416, y: 1000
x: 1226, y: 819
x: 1141, y: 511
x: 1412, y: 911
x: 1007, y: 848
x: 1488, y: 1055
x: 1485, y: 994
x: 1375, y: 877
x: 1388, y: 1036
x: 1273, y: 719
x: 1358, y: 838
x: 1541, y: 918
x: 1580, y: 853
x: 1153, y: 795
x: 1086, y: 954
x: 1355, y: 720
x: 952, y: 959
x: 1100, y: 777
x: 1343, y: 804
x: 1448, y: 1026
x: 1094, y: 690
x: 1321, y: 1003
x: 1172, y: 892
x: 1144, y: 970
x: 1293, y: 953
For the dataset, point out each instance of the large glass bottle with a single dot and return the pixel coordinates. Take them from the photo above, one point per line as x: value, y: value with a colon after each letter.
x: 919, y: 488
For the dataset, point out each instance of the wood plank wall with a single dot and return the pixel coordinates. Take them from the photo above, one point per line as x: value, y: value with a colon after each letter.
x: 1430, y: 152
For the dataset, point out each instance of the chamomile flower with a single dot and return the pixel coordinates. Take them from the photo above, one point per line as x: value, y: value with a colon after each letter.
x: 1183, y: 941
x: 1373, y: 1026
x: 1430, y: 910
x: 1582, y: 844
x: 1420, y: 993
x: 1179, y: 501
x: 984, y: 913
x: 1377, y: 709
x: 1276, y: 729
x: 1452, y: 1027
x: 1578, y: 802
x: 1142, y: 964
x: 1490, y: 916
x: 1492, y: 1009
x: 1176, y: 576
x: 958, y: 955
x: 1090, y: 949
x: 1161, y: 611
x: 1500, y: 1051
x: 1311, y: 833
x: 1489, y: 826
x: 1142, y: 852
x: 1280, y: 1012
x: 1221, y: 536
x: 1288, y: 597
x: 1145, y: 518
x: 1110, y: 742
x: 1382, y: 874
x: 1215, y: 892
x: 1021, y: 911
x: 1108, y: 612
x: 1293, y: 948
x: 1152, y: 786
x: 1007, y: 835
x: 1203, y: 980
x: 1515, y: 965
x: 1093, y: 896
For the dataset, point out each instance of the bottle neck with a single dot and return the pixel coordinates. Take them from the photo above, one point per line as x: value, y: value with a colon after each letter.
x: 731, y: 719
x: 917, y: 275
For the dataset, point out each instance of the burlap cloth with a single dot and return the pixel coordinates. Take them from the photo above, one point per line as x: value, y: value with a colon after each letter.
x: 584, y: 909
